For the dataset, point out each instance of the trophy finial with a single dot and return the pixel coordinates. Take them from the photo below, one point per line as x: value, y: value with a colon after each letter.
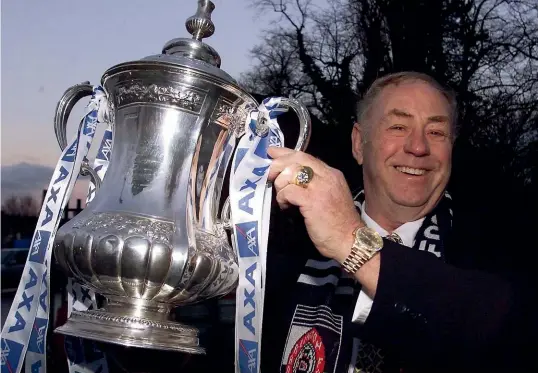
x: 200, y: 25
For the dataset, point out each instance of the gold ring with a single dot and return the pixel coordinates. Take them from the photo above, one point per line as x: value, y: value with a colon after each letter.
x: 304, y: 176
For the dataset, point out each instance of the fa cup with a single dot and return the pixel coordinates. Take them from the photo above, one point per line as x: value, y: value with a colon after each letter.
x: 155, y: 235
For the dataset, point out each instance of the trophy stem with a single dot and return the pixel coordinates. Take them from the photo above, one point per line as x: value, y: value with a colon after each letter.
x: 134, y: 323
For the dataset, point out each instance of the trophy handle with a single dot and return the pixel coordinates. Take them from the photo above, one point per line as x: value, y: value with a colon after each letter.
x: 305, y: 130
x: 85, y: 170
x: 305, y: 121
x: 69, y: 99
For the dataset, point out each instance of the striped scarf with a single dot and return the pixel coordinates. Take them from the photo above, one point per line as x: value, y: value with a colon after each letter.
x: 321, y: 337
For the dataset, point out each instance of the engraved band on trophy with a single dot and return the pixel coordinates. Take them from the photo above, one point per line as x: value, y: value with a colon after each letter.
x: 153, y: 237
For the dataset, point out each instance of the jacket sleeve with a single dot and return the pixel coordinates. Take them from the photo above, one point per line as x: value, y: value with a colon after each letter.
x: 443, y: 318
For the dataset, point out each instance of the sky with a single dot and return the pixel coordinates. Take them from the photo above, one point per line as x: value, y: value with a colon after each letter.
x: 48, y: 46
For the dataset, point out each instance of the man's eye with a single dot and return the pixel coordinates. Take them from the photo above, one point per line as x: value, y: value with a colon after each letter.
x: 397, y: 127
x: 438, y: 133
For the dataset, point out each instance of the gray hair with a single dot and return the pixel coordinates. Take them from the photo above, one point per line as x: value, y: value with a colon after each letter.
x: 365, y: 104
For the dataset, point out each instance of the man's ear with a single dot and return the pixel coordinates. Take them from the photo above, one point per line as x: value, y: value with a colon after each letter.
x: 356, y: 143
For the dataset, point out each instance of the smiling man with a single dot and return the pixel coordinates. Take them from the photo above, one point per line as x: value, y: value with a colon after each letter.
x: 383, y: 295
x: 405, y: 132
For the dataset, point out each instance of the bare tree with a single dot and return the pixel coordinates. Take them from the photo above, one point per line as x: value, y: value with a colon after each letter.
x: 318, y: 49
x: 487, y: 50
x: 20, y: 206
x: 11, y: 206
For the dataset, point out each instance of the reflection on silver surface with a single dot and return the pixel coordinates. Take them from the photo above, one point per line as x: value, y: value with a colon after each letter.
x: 152, y: 237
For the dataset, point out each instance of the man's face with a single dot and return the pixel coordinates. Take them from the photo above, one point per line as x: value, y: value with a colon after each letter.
x: 407, y: 154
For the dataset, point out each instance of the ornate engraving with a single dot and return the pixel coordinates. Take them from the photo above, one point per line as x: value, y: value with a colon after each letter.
x: 223, y: 108
x: 125, y: 225
x: 223, y: 112
x: 211, y: 243
x: 182, y: 97
x: 230, y: 115
x: 237, y: 125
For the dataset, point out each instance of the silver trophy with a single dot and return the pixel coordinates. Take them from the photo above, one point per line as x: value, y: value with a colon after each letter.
x: 153, y: 238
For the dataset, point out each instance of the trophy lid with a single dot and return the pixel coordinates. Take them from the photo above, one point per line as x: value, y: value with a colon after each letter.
x: 193, y: 53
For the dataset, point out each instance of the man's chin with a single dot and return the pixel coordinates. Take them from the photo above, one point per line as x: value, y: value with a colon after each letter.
x: 410, y: 200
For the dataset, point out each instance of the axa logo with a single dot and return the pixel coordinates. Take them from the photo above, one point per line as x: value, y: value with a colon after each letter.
x: 247, y: 242
x: 71, y: 153
x: 37, y: 338
x: 247, y: 238
x: 249, y: 189
x: 11, y: 355
x: 248, y: 356
x: 53, y: 196
x: 106, y: 146
x: 90, y: 123
x: 39, y: 246
x: 249, y: 301
x: 25, y: 304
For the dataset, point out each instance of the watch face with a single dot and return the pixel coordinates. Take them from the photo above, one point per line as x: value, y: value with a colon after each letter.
x: 370, y: 238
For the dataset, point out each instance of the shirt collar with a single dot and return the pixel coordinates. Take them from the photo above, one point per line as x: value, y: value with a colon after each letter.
x: 407, y: 231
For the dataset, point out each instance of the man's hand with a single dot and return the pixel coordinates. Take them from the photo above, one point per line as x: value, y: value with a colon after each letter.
x: 326, y: 202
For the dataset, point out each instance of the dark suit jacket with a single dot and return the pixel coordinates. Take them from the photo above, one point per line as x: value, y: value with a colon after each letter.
x: 474, y: 313
x: 436, y: 317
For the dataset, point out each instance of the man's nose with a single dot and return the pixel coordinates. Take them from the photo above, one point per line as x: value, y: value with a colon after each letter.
x: 417, y: 144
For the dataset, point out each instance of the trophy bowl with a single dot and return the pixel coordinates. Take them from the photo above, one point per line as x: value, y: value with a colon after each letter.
x: 154, y: 237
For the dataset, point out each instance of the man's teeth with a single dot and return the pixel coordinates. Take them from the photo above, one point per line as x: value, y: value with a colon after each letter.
x: 411, y: 171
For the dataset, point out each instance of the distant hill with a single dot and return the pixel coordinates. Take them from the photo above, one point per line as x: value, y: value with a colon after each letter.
x: 24, y: 179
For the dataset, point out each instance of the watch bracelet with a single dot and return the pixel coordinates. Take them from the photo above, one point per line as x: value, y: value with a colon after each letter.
x: 352, y: 264
x: 356, y: 259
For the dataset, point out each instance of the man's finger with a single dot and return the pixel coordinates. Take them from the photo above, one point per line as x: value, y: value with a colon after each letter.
x: 277, y: 151
x: 280, y: 164
x: 292, y: 194
x: 286, y: 176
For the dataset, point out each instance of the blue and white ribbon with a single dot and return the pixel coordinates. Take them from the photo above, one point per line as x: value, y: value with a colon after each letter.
x: 24, y: 334
x: 83, y: 356
x: 25, y: 330
x: 250, y: 199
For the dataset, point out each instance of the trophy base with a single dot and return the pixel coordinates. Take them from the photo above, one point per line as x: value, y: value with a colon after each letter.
x: 133, y: 331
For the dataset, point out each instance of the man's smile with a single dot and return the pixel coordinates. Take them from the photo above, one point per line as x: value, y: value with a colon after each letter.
x: 411, y: 170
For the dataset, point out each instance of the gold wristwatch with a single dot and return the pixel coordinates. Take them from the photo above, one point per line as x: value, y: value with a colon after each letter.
x: 367, y: 243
